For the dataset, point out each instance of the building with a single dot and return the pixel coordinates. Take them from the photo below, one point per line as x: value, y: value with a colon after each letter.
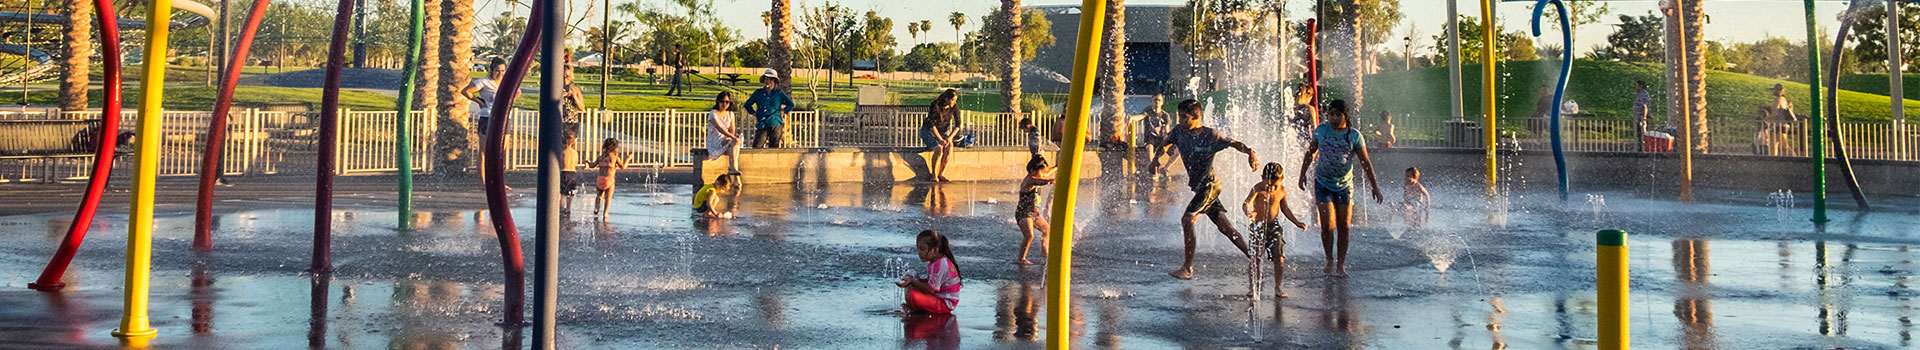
x: 1153, y: 63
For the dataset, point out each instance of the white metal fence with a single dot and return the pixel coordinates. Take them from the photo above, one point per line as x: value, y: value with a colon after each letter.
x: 1872, y: 140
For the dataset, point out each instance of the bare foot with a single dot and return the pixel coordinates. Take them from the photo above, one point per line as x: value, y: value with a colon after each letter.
x: 1282, y: 295
x: 943, y: 178
x: 1022, y: 261
x: 1185, y: 274
x: 1340, y: 271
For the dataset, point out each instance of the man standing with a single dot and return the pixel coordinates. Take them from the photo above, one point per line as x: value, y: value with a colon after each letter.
x: 769, y: 106
x: 1642, y: 103
x: 1197, y: 144
x: 1157, y: 125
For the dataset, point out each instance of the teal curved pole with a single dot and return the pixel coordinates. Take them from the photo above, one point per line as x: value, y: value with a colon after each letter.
x: 403, y: 116
x: 1559, y: 90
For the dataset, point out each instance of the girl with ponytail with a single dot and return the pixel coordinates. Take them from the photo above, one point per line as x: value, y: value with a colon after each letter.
x: 939, y: 291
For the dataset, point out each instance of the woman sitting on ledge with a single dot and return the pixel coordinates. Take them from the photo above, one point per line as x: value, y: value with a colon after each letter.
x: 938, y: 130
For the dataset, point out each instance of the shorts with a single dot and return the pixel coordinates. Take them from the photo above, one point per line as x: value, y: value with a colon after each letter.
x: 1270, y: 238
x: 1206, y: 200
x: 1322, y: 194
x: 928, y: 137
x: 702, y: 211
x: 569, y: 183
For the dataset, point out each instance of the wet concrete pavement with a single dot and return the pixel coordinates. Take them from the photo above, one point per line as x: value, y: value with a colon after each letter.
x: 810, y: 268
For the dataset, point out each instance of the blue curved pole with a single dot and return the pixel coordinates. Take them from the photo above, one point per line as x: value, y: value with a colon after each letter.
x: 1560, y: 90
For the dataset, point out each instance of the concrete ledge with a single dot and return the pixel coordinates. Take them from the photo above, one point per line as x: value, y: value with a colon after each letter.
x: 879, y: 165
x: 1656, y: 171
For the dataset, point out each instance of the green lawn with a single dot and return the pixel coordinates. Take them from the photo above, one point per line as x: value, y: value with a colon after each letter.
x: 196, y: 97
x: 1606, y: 90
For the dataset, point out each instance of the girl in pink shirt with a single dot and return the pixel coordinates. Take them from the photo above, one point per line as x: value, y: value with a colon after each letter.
x: 940, y: 290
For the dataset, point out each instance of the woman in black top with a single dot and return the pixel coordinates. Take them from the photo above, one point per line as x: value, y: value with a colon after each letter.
x: 938, y: 130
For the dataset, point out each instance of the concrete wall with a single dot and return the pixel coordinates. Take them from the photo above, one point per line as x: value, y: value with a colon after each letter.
x: 878, y: 165
x: 1588, y: 171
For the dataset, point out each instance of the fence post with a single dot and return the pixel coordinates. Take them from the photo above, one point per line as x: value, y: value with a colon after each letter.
x: 339, y: 167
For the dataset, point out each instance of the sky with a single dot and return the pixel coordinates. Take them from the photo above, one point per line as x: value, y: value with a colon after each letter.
x: 1731, y: 20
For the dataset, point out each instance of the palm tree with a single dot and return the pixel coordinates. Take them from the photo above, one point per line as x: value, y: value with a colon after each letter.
x: 1696, y: 72
x: 1010, y: 74
x: 958, y: 20
x: 1113, y: 61
x: 424, y: 90
x: 456, y: 54
x: 780, y: 45
x: 913, y: 30
x: 74, y: 66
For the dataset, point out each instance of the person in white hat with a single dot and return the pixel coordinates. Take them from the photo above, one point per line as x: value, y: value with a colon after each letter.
x: 769, y: 106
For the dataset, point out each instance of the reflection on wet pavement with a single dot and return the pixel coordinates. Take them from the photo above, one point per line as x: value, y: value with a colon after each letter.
x: 797, y: 269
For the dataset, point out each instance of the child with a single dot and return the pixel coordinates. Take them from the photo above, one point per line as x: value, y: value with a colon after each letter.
x: 940, y: 290
x: 1260, y: 206
x: 1415, y: 200
x: 1337, y: 145
x: 1034, y: 142
x: 707, y: 202
x: 1197, y: 144
x: 610, y: 161
x: 1027, y: 212
x: 569, y: 162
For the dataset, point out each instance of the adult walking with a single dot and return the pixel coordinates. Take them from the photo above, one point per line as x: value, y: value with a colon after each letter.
x: 1337, y: 145
x: 1642, y: 105
x: 1770, y: 127
x: 938, y: 130
x: 769, y: 106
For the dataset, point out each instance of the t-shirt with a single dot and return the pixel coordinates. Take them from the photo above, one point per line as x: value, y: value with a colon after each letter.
x: 1155, y: 122
x: 944, y: 280
x: 1197, y: 148
x: 1333, y: 169
x: 700, y: 197
x: 1641, y: 101
x: 941, y: 123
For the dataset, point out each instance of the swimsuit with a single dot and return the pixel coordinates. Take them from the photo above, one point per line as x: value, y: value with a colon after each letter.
x: 1028, y: 206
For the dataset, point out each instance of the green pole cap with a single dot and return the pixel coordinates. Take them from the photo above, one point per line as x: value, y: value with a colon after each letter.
x: 1616, y: 238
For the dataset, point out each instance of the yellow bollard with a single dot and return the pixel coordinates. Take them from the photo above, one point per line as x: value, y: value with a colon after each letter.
x: 134, y: 329
x: 1490, y: 64
x: 1611, y: 280
x: 1067, y: 180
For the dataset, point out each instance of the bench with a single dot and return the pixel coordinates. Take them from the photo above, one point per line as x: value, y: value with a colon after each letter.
x: 39, y: 146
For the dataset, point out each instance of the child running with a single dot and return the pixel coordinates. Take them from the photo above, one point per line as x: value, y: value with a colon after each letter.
x: 1027, y: 212
x: 610, y: 163
x: 707, y: 201
x: 1197, y: 144
x: 1267, y: 197
x: 1337, y: 145
x: 940, y: 290
x: 1414, y: 200
x: 569, y: 162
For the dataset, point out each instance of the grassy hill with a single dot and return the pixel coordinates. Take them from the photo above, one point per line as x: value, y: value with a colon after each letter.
x: 1605, y: 89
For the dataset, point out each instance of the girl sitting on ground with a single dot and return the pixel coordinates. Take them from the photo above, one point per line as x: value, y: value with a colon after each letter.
x: 1027, y: 212
x: 940, y: 290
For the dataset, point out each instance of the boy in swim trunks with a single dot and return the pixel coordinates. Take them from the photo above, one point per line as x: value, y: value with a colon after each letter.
x: 1197, y: 145
x: 1269, y: 197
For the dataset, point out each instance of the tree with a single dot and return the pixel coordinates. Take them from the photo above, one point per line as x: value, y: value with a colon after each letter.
x: 1638, y: 39
x: 424, y: 88
x: 930, y: 57
x: 958, y: 20
x: 1870, y: 35
x: 913, y: 30
x: 1579, y: 13
x: 74, y: 64
x: 607, y: 42
x: 827, y: 31
x: 1693, y: 18
x: 780, y: 41
x: 751, y: 54
x: 1507, y: 43
x: 1010, y: 19
x: 1113, y: 62
x: 455, y: 137
x: 873, y: 41
x: 504, y: 32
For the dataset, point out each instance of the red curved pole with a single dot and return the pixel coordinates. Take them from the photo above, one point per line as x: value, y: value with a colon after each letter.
x: 329, y: 121
x: 103, y: 160
x: 494, y: 150
x: 217, y: 131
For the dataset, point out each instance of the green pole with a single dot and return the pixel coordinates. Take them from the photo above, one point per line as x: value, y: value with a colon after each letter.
x: 403, y: 118
x: 1816, y: 150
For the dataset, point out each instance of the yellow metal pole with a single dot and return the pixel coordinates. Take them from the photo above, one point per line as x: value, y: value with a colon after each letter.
x: 1067, y: 180
x: 1611, y: 280
x: 134, y: 329
x: 1487, y: 70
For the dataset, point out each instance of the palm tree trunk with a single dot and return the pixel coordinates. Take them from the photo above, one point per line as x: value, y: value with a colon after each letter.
x: 1351, y: 75
x: 456, y: 53
x: 75, y: 64
x: 780, y: 49
x: 1693, y: 18
x: 1113, y: 62
x: 1010, y: 72
x: 424, y: 90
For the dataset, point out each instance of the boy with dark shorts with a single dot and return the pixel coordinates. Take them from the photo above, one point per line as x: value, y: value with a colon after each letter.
x: 1264, y: 205
x: 1197, y: 144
